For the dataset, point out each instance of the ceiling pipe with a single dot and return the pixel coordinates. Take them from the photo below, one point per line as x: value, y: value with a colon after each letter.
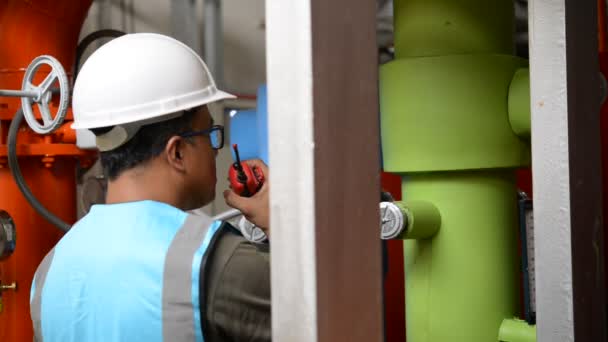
x: 213, y: 47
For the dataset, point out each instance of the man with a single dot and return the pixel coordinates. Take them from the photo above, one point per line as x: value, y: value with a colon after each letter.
x: 139, y: 268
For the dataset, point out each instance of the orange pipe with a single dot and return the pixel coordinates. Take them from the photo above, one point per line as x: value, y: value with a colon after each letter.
x: 29, y: 28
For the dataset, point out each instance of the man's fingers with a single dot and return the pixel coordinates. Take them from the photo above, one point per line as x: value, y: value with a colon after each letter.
x: 231, y: 198
x: 261, y: 192
x: 255, y: 162
x: 236, y: 201
x: 259, y: 164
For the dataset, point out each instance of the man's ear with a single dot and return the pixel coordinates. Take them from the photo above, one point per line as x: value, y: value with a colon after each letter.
x: 174, y: 152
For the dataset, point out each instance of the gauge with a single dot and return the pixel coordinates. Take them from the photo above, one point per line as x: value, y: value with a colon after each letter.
x: 392, y: 219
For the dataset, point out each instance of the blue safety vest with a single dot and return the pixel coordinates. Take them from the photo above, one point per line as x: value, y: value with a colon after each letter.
x: 124, y: 272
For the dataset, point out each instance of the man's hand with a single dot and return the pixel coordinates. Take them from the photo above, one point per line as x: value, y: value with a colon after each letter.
x: 256, y: 208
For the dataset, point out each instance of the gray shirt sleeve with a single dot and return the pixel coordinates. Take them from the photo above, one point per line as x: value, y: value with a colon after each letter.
x: 237, y: 291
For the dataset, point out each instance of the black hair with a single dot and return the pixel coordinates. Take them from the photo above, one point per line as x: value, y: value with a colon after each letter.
x: 147, y: 143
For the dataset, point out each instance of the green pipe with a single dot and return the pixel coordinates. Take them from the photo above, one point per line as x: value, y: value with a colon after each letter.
x: 423, y: 219
x: 519, y: 104
x: 447, y: 128
x: 462, y: 283
x: 515, y: 330
x: 451, y: 27
x: 449, y: 113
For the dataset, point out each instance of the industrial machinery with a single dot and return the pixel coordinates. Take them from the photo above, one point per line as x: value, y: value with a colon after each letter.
x: 48, y: 162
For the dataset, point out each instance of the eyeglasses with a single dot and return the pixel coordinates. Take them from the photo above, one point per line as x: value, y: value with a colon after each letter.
x: 215, y: 133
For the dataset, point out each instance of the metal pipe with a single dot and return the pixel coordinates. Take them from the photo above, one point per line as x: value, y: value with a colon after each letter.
x: 131, y: 9
x: 213, y: 47
x: 104, y: 19
x: 19, y: 93
x: 183, y: 23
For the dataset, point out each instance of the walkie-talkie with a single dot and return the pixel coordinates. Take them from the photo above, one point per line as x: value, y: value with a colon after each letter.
x: 244, y: 180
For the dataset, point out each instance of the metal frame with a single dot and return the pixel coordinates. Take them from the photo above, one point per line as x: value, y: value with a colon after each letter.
x: 567, y: 171
x: 323, y: 131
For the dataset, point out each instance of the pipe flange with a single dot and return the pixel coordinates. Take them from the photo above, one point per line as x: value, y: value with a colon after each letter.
x: 7, y: 235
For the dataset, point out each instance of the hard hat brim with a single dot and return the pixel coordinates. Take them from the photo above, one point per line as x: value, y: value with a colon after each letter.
x: 153, y: 111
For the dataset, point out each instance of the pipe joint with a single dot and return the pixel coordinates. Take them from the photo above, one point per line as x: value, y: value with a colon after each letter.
x: 519, y: 104
x: 409, y: 220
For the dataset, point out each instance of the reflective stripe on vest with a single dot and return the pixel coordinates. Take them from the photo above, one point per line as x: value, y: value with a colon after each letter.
x: 177, y: 304
x: 36, y: 304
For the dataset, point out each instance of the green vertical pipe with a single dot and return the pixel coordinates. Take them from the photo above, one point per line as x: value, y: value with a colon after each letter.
x: 446, y: 127
x: 452, y: 27
x: 461, y: 284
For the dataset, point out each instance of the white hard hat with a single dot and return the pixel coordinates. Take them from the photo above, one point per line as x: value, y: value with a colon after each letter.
x: 139, y: 79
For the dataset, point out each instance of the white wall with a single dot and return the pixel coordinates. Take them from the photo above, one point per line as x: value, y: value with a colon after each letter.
x: 244, y: 51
